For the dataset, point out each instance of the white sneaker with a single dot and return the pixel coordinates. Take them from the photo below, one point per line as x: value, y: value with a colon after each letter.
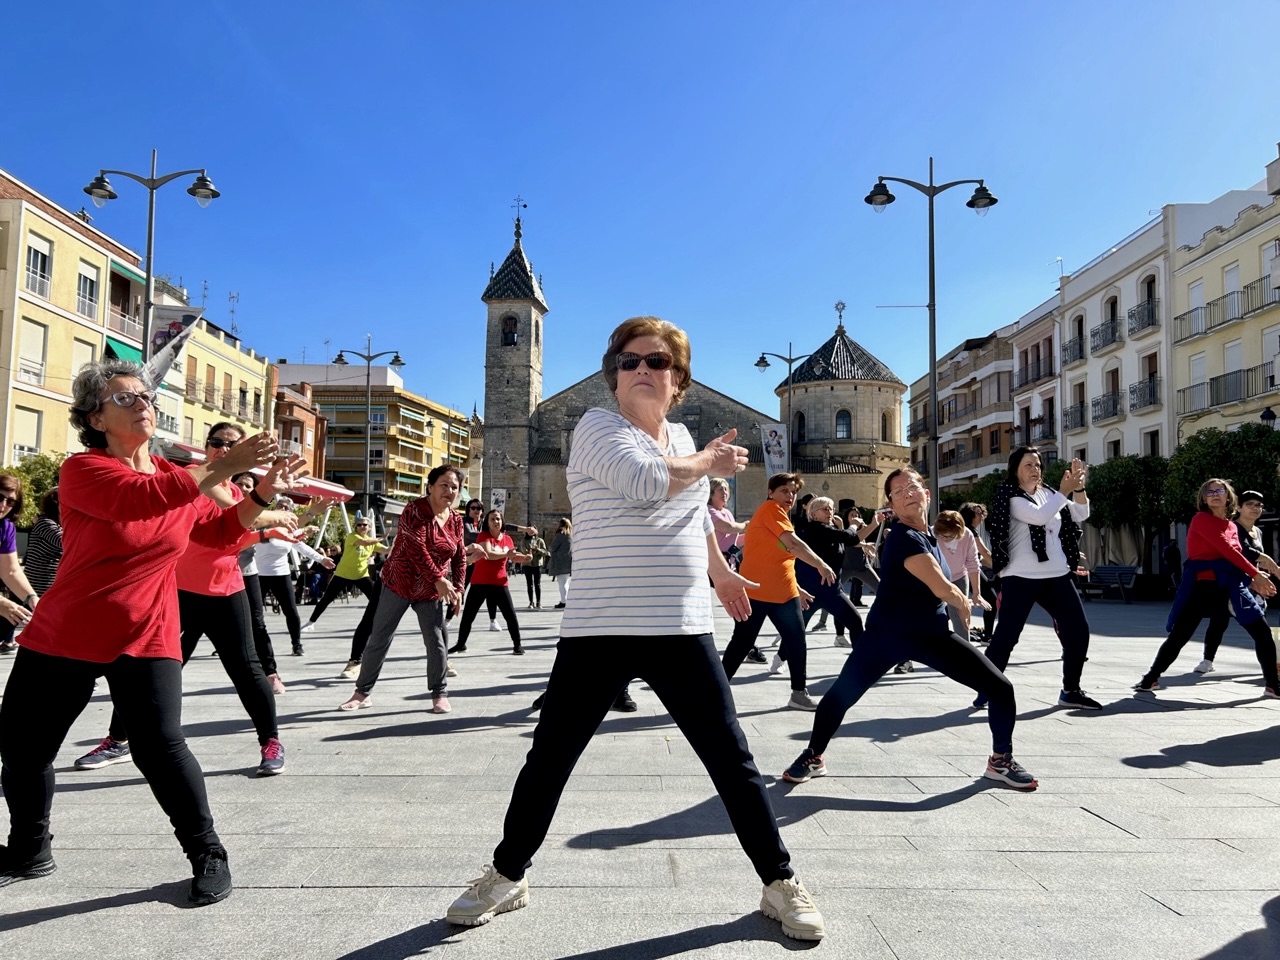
x: 800, y: 700
x: 776, y: 666
x: 277, y: 686
x: 819, y: 628
x: 351, y: 670
x: 489, y: 895
x: 1204, y: 666
x: 843, y: 641
x: 448, y: 669
x: 789, y: 902
x: 493, y: 626
x: 307, y: 627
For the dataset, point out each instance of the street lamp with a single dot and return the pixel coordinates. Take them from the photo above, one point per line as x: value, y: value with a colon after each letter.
x: 979, y: 203
x: 819, y: 368
x: 1268, y: 418
x: 368, y: 357
x: 99, y: 190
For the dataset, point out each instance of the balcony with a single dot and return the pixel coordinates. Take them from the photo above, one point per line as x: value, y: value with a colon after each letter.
x: 167, y: 422
x: 38, y: 283
x: 1229, y: 388
x: 1145, y: 393
x: 1073, y: 351
x: 1144, y: 318
x: 1034, y: 372
x: 1105, y: 336
x: 1225, y: 309
x: 1046, y: 432
x: 1109, y: 406
x: 87, y: 306
x: 291, y: 447
x: 123, y: 323
x: 1075, y: 417
x: 21, y: 451
x: 921, y: 467
x: 31, y: 371
x: 918, y: 428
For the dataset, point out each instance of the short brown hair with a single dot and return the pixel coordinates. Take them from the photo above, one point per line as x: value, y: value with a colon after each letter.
x: 13, y: 486
x: 949, y: 524
x: 672, y: 336
x: 1203, y: 505
x: 894, y: 474
x: 782, y: 479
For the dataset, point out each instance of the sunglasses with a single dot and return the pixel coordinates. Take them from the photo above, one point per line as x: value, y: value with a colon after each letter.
x: 1215, y: 492
x: 127, y: 398
x: 219, y: 444
x: 654, y: 361
x: 8, y: 501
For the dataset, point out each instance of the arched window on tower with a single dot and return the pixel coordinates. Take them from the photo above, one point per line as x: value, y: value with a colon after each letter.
x: 509, y: 335
x: 884, y: 426
x: 844, y: 425
x: 798, y: 429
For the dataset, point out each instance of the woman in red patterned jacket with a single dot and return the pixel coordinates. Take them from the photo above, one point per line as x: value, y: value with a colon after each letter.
x: 424, y: 570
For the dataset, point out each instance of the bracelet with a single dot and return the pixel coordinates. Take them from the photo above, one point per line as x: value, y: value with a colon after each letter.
x: 30, y: 597
x: 253, y: 495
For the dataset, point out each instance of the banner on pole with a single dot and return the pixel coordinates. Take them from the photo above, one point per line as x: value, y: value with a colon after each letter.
x: 773, y: 440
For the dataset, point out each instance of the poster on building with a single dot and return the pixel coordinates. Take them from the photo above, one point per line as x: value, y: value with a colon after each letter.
x: 773, y: 439
x: 498, y: 500
x: 171, y: 327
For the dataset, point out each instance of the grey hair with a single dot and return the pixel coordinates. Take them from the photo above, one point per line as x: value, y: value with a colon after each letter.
x: 86, y: 395
x: 284, y: 503
x: 717, y: 483
x: 818, y: 503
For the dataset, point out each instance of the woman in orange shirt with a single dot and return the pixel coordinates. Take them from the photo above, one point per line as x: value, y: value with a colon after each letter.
x: 769, y: 561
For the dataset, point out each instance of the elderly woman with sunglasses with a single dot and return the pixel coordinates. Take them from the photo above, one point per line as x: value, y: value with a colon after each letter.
x: 11, y: 572
x: 113, y: 613
x: 643, y: 550
x: 1218, y: 574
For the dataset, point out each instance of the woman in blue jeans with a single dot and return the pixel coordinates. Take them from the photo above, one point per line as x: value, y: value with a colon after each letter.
x: 909, y: 621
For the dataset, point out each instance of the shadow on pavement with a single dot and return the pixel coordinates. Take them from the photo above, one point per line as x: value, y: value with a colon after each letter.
x: 753, y: 927
x: 1249, y: 748
x: 1263, y: 944
x: 171, y: 893
x: 411, y: 943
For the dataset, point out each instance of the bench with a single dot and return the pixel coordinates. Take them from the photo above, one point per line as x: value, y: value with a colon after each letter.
x: 1102, y: 577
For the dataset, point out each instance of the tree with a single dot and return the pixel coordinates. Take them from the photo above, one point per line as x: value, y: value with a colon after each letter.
x: 1130, y: 492
x: 39, y: 475
x: 1246, y: 457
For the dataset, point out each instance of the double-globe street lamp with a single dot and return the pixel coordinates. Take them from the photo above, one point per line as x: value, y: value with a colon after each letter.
x: 100, y: 192
x: 819, y: 369
x: 368, y: 357
x: 980, y: 203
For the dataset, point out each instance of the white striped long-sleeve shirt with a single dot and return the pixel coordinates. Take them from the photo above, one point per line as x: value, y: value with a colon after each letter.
x: 639, y: 556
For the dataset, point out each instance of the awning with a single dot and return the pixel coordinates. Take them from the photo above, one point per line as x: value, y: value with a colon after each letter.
x: 130, y: 272
x: 312, y: 487
x: 123, y: 351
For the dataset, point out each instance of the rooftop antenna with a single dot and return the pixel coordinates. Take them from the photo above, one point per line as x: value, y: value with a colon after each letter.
x: 233, y: 298
x: 1058, y: 261
x: 204, y: 293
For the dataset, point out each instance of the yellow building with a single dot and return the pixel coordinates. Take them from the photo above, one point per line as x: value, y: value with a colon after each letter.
x: 67, y: 293
x: 224, y: 381
x: 1226, y: 323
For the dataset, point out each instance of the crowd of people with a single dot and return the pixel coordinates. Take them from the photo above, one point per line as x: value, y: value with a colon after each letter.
x: 652, y: 546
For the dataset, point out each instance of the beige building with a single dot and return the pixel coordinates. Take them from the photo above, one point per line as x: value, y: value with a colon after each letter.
x: 224, y: 381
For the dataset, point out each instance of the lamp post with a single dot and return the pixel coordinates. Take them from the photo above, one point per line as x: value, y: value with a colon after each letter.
x: 819, y: 368
x: 979, y: 203
x: 1268, y: 418
x: 99, y: 190
x: 368, y: 357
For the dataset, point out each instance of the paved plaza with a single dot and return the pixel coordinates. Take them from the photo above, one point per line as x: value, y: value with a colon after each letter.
x: 1155, y: 832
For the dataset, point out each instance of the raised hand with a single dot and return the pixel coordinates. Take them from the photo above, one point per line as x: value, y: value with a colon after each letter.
x: 726, y: 457
x: 250, y: 452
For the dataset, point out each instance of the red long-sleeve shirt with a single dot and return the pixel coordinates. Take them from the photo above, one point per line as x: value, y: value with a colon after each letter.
x: 423, y: 552
x: 116, y: 593
x: 1215, y: 538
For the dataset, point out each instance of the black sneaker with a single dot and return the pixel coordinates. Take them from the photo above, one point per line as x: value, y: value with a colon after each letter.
x: 1078, y: 699
x: 755, y: 656
x: 211, y: 878
x: 807, y: 766
x: 297, y: 649
x: 623, y: 703
x: 458, y: 648
x: 272, y: 758
x: 1148, y: 684
x: 537, y: 704
x: 13, y: 869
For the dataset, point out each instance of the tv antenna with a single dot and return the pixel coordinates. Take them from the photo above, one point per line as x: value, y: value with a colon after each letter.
x: 232, y: 299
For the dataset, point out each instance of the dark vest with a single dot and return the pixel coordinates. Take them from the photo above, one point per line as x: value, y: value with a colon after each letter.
x: 998, y: 528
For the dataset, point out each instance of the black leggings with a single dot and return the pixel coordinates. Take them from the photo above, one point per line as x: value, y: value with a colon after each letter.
x: 1208, y: 597
x: 786, y: 617
x: 336, y: 583
x: 257, y: 617
x: 281, y: 588
x: 42, y: 700
x: 878, y: 650
x: 533, y: 583
x: 830, y: 599
x: 989, y: 595
x: 227, y: 622
x: 585, y: 679
x: 1058, y: 597
x: 1219, y: 620
x: 496, y: 594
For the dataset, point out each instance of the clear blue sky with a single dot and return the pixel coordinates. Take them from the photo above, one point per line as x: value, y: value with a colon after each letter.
x: 705, y: 162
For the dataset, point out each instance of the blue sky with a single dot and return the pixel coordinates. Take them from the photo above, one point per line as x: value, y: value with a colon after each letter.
x: 705, y: 162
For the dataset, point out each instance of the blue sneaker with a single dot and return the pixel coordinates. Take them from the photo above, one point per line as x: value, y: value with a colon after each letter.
x: 807, y: 766
x: 1002, y: 767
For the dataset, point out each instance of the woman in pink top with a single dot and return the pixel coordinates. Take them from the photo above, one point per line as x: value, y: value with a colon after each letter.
x: 959, y: 549
x: 729, y: 532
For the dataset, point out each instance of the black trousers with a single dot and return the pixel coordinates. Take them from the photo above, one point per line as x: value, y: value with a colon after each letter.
x: 878, y: 650
x: 685, y: 674
x: 1207, y: 599
x: 1219, y: 620
x: 1058, y: 597
x: 281, y: 588
x: 533, y: 583
x: 258, y: 621
x: 830, y: 599
x: 496, y: 595
x: 988, y: 590
x: 336, y: 583
x: 43, y: 698
x: 786, y: 617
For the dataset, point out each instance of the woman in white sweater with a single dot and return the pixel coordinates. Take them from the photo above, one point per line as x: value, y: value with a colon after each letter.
x: 959, y: 550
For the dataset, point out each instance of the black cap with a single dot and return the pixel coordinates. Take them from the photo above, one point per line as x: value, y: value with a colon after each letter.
x: 1252, y: 495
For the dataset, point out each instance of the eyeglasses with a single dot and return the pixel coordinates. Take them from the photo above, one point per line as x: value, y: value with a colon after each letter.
x: 1252, y: 503
x: 654, y: 361
x: 359, y: 525
x: 475, y: 508
x: 127, y: 398
x: 1216, y: 492
x: 8, y: 501
x: 218, y: 443
x: 906, y: 488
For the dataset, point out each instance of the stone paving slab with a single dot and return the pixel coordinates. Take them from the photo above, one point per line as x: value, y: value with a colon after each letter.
x: 1151, y: 835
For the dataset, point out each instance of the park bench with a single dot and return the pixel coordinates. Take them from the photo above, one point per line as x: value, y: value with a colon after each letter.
x: 1103, y: 577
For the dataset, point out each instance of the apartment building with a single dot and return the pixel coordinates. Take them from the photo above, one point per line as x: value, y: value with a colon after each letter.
x: 68, y: 294
x: 300, y: 425
x: 224, y: 381
x: 1036, y: 401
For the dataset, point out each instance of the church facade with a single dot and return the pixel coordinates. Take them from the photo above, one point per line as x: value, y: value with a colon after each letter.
x: 846, y: 414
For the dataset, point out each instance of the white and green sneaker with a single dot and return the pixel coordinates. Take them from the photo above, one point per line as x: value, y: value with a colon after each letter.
x: 489, y: 895
x: 790, y: 903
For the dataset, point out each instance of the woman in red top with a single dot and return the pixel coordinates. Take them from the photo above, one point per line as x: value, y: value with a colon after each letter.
x: 489, y: 581
x: 1216, y: 569
x: 424, y: 570
x: 113, y: 613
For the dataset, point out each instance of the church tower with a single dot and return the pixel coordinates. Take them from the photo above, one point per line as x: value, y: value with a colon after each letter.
x: 512, y: 379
